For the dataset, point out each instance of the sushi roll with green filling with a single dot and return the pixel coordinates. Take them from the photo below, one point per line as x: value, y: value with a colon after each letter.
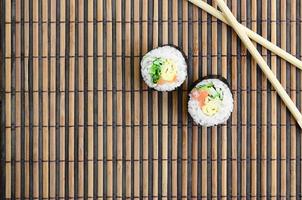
x: 164, y: 68
x: 211, y: 102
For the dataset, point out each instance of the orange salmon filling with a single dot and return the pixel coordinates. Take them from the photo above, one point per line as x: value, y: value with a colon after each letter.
x: 163, y: 81
x: 200, y: 96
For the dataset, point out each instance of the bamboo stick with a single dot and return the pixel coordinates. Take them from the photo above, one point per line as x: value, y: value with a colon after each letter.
x: 265, y: 105
x: 254, y: 102
x: 273, y: 100
x: 293, y: 81
x: 283, y: 112
x: 245, y: 140
x: 261, y: 62
x: 254, y: 36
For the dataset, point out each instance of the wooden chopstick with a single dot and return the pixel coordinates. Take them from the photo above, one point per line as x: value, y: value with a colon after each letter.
x: 254, y: 36
x: 259, y: 59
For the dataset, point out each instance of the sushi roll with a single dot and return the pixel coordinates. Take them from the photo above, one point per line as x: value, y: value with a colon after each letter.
x: 210, y: 102
x: 164, y: 68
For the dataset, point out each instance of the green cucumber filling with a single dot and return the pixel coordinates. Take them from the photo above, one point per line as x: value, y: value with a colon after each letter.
x: 214, y: 93
x: 155, y: 70
x: 163, y: 69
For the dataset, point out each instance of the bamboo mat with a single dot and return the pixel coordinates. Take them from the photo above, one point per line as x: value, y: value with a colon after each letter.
x: 78, y: 121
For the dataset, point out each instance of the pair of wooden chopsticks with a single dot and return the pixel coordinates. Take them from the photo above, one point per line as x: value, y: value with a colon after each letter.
x: 254, y: 36
x: 244, y: 34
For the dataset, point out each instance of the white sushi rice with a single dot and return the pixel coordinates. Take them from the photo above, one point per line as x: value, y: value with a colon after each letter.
x: 224, y: 112
x: 167, y: 52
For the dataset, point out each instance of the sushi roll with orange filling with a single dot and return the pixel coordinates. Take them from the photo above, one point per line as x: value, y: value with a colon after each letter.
x: 164, y: 68
x: 211, y: 102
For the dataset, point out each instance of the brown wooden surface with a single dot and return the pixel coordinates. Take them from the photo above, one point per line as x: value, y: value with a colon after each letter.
x: 78, y: 121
